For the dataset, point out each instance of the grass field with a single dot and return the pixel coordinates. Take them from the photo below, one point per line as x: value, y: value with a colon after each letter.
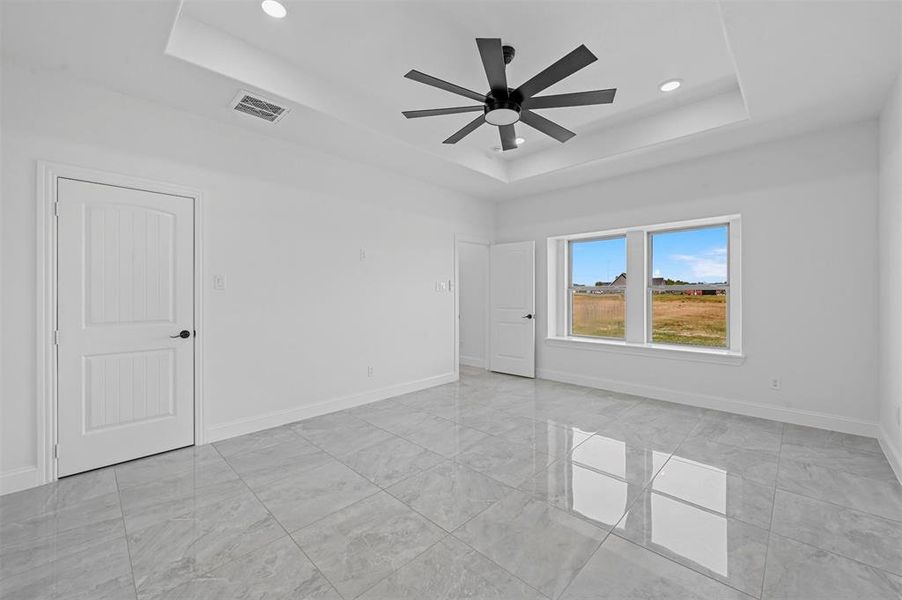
x: 599, y: 315
x: 676, y: 318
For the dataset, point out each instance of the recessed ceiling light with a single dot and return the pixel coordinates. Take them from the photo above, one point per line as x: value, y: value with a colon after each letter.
x: 520, y: 141
x: 670, y: 85
x: 274, y: 9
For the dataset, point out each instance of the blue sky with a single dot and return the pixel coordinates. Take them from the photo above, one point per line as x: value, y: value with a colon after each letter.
x: 695, y: 255
x: 598, y: 260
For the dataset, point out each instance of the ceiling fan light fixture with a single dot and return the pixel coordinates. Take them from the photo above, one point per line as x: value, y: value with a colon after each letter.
x: 670, y: 85
x: 274, y: 9
x: 502, y: 116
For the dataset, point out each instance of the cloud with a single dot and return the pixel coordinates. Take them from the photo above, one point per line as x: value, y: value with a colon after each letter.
x: 658, y: 273
x: 711, y: 265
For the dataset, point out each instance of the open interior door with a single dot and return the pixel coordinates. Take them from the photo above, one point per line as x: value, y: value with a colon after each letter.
x: 513, y: 298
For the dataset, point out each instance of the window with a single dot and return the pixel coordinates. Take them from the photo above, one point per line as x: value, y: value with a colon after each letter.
x: 669, y: 286
x: 689, y: 286
x: 598, y: 287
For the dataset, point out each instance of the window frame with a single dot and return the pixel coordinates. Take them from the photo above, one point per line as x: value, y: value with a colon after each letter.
x: 638, y: 293
x: 568, y: 319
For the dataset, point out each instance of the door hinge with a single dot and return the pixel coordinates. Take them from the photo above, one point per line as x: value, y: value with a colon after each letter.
x: 56, y: 450
x: 56, y: 208
x: 56, y: 337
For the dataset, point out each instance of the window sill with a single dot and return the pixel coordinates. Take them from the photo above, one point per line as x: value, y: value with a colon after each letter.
x: 707, y: 355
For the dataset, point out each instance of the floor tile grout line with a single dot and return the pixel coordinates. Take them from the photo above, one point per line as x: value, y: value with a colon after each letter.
x: 694, y: 570
x: 834, y: 553
x: 837, y: 505
x: 281, y: 525
x: 491, y: 560
x: 614, y: 526
x: 128, y: 549
x: 541, y: 501
x: 445, y: 536
x: 385, y: 490
x: 626, y: 512
x: 891, y: 479
x: 315, y: 566
x: 773, y: 510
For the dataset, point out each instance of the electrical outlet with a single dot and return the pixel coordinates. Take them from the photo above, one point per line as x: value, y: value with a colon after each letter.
x: 362, y: 254
x: 774, y: 383
x: 219, y: 282
x: 369, y: 371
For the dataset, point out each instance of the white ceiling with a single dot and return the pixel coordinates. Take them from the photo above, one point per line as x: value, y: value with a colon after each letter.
x: 362, y: 49
x: 753, y: 70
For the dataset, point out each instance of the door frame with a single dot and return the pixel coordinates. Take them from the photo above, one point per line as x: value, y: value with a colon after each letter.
x: 47, y: 395
x: 461, y: 238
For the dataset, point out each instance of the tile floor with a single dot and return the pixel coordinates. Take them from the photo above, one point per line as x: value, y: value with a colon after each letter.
x: 494, y: 487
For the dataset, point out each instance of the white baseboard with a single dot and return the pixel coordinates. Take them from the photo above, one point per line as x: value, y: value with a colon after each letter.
x: 19, y: 479
x: 215, y: 433
x: 892, y: 451
x: 742, y: 407
x: 472, y: 361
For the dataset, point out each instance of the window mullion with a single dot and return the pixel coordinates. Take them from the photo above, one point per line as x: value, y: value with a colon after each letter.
x: 635, y: 286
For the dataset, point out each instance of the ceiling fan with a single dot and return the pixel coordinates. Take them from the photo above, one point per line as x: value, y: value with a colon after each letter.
x: 503, y: 106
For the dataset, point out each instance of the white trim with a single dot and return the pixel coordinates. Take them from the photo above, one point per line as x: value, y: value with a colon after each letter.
x: 464, y: 238
x: 19, y: 479
x: 742, y: 407
x: 690, y: 223
x: 238, y: 427
x: 708, y: 355
x: 46, y: 282
x: 892, y: 451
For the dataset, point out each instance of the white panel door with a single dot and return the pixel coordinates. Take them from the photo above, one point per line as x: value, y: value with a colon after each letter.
x: 513, y: 309
x: 125, y: 295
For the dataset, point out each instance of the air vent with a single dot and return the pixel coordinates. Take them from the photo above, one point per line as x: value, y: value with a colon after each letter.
x: 254, y: 105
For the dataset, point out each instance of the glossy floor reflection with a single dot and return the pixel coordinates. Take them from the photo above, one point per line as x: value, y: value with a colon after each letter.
x: 492, y: 487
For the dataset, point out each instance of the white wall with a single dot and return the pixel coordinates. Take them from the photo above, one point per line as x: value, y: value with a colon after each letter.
x: 889, y: 213
x: 302, y: 317
x: 809, y: 255
x: 472, y: 282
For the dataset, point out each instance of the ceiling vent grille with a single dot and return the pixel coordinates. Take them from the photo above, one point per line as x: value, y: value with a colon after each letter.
x: 254, y: 105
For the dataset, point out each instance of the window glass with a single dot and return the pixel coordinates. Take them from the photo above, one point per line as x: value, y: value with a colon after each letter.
x: 689, y: 286
x: 597, y: 288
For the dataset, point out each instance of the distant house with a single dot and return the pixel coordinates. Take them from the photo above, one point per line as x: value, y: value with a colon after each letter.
x: 620, y: 280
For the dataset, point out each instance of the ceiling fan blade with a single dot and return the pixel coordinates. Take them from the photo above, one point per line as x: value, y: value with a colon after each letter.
x: 493, y: 62
x: 434, y: 112
x: 547, y: 127
x: 574, y: 99
x: 562, y: 69
x: 466, y: 130
x: 444, y: 85
x: 508, y: 137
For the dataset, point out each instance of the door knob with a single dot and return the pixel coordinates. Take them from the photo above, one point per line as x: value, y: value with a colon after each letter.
x: 184, y: 334
x: 526, y: 316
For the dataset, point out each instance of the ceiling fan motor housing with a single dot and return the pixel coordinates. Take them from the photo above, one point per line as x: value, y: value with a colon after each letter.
x: 504, y: 111
x: 509, y: 52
